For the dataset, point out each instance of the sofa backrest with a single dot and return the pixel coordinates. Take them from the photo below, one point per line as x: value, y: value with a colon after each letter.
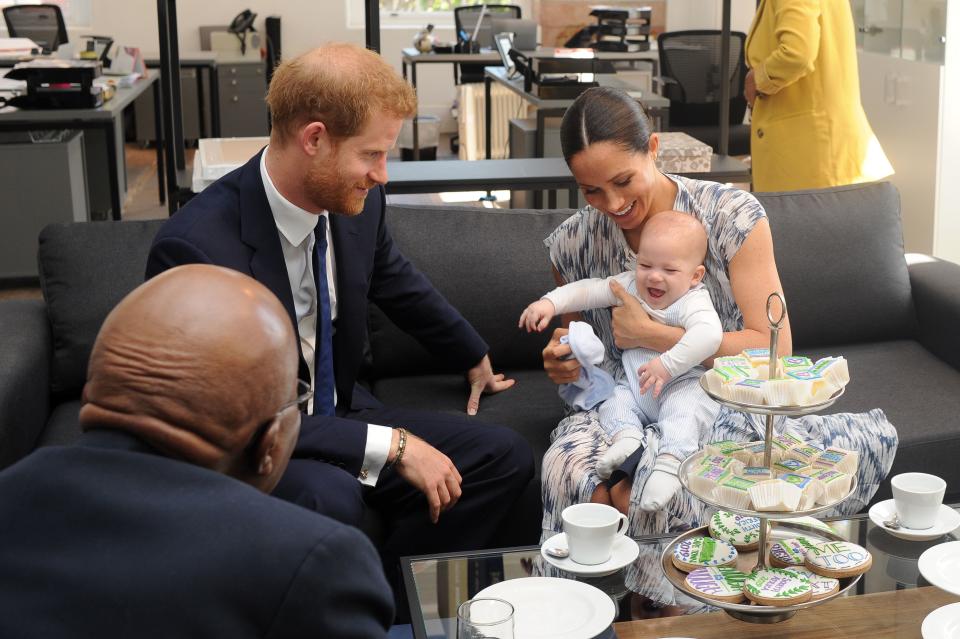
x: 489, y: 263
x: 85, y: 270
x: 839, y: 252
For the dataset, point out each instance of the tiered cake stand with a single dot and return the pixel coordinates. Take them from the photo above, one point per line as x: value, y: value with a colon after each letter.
x: 787, y: 524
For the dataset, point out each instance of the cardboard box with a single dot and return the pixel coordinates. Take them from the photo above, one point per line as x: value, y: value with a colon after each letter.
x: 681, y: 153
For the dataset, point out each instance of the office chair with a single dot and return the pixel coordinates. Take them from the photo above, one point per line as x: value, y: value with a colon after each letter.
x: 42, y: 23
x: 690, y: 79
x: 465, y: 19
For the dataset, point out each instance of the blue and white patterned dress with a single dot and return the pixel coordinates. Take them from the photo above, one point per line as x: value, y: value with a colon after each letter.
x: 588, y: 245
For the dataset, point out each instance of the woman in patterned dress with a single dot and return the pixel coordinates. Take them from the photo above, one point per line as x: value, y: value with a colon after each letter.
x: 608, y: 145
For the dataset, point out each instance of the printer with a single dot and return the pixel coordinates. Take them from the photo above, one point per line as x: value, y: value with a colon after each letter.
x: 58, y: 84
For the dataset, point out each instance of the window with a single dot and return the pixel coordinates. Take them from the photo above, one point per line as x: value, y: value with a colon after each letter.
x: 76, y: 13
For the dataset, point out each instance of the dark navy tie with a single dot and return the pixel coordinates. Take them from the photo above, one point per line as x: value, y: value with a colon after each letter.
x: 323, y: 368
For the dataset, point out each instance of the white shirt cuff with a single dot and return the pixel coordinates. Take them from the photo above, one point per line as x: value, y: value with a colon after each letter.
x: 376, y: 453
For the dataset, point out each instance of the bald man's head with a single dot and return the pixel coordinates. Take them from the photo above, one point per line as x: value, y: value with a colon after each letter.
x: 194, y: 362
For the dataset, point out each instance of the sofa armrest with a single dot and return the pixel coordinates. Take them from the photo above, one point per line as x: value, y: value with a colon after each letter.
x: 26, y: 348
x: 935, y: 287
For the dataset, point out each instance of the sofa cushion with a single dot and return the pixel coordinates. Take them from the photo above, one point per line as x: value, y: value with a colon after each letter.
x: 919, y: 394
x: 85, y: 269
x: 63, y: 427
x: 532, y: 407
x: 488, y: 263
x: 839, y: 252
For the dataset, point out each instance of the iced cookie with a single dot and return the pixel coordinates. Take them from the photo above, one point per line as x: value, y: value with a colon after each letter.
x: 700, y: 552
x: 788, y: 553
x: 777, y: 587
x: 740, y: 530
x: 822, y: 586
x: 722, y: 584
x: 838, y: 559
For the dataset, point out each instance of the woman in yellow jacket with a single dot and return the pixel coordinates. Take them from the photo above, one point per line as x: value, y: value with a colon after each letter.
x: 808, y: 126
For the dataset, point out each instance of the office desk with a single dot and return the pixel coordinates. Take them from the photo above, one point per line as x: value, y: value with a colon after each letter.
x: 656, y: 104
x: 107, y: 118
x: 412, y: 57
x: 520, y: 174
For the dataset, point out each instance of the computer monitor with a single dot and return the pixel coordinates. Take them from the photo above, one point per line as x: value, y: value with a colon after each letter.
x: 504, y: 42
x: 42, y: 23
x: 524, y: 31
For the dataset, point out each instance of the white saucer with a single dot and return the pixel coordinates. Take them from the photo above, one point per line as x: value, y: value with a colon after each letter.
x: 948, y: 520
x: 625, y: 550
x: 940, y: 566
x: 942, y: 623
x: 554, y: 608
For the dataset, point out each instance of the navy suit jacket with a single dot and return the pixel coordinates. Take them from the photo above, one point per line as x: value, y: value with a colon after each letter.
x: 230, y: 224
x: 108, y: 538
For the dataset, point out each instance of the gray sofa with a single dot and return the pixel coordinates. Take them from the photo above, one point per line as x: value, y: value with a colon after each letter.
x: 839, y: 252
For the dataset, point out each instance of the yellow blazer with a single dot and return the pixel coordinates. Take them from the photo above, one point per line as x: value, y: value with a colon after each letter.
x: 808, y: 126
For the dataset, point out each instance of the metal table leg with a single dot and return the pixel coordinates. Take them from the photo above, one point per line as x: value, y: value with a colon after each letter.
x: 158, y: 140
x: 113, y: 168
x: 487, y: 116
x: 416, y: 116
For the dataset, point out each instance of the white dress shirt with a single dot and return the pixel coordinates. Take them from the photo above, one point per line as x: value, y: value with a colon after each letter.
x: 295, y: 227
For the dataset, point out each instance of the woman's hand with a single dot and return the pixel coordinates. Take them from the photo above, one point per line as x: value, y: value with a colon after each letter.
x: 559, y: 370
x: 630, y: 321
x: 750, y: 88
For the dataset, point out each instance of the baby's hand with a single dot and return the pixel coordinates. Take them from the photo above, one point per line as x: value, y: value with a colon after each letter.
x: 653, y: 375
x: 537, y: 316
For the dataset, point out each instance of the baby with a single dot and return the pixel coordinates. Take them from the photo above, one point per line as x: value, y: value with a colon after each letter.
x: 668, y: 284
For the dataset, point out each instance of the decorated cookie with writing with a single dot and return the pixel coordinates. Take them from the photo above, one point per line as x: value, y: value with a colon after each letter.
x: 699, y: 552
x: 789, y: 552
x: 740, y: 530
x: 722, y: 583
x: 777, y: 587
x: 822, y: 586
x: 838, y: 559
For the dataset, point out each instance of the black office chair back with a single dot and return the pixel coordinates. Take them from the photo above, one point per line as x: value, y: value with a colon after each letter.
x: 690, y: 66
x: 465, y: 19
x: 42, y: 23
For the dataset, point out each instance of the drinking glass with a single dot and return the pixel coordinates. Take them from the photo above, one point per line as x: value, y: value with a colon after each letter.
x: 485, y: 619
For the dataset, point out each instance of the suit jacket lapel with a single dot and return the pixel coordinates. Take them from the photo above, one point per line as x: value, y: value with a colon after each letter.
x: 344, y: 234
x: 258, y: 230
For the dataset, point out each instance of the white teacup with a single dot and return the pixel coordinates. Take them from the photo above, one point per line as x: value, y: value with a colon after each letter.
x: 591, y: 529
x: 918, y: 497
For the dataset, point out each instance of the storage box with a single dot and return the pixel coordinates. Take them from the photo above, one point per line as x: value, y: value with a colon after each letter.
x: 681, y: 153
x: 218, y: 156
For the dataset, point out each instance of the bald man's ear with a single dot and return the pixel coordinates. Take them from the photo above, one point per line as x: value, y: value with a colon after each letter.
x: 268, y: 448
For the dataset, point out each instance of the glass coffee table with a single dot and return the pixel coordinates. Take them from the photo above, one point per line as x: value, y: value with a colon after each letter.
x: 437, y: 584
